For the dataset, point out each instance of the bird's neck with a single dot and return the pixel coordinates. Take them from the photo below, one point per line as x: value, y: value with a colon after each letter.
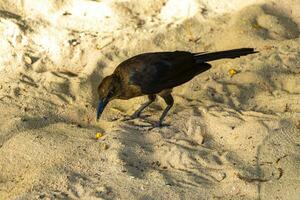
x: 117, y: 85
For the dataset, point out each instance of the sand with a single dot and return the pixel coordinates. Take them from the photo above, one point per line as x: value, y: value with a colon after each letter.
x: 229, y: 137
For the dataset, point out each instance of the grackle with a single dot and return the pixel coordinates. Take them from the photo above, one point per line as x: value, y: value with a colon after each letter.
x: 156, y: 74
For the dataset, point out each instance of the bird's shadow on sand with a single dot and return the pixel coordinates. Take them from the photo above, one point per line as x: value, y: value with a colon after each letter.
x: 139, y: 164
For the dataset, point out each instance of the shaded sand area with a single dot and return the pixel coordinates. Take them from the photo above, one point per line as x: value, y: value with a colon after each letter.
x: 230, y: 137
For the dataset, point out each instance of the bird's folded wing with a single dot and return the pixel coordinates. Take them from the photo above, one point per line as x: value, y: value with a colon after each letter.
x: 154, y: 72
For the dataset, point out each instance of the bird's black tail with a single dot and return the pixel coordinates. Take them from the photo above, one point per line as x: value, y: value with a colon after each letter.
x: 234, y: 53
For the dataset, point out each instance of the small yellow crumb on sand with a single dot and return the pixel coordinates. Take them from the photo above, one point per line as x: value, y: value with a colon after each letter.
x: 99, y: 135
x: 232, y: 72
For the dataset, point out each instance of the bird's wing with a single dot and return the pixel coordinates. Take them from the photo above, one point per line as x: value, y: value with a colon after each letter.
x: 153, y: 72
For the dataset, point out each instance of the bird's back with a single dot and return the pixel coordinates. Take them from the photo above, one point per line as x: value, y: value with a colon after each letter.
x: 154, y: 72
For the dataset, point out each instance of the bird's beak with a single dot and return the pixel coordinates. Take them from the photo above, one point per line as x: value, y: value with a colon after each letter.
x: 101, y: 106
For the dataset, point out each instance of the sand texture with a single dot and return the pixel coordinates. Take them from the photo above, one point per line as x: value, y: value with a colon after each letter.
x: 229, y: 137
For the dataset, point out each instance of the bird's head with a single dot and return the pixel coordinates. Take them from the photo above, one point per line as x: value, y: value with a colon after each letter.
x: 108, y: 90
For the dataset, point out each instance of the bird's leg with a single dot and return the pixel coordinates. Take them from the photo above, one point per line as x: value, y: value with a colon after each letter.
x: 169, y: 101
x: 138, y: 112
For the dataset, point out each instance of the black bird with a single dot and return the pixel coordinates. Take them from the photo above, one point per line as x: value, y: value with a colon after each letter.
x: 156, y: 74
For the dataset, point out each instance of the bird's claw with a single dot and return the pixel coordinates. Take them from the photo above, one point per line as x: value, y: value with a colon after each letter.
x: 126, y: 118
x: 160, y: 125
x: 131, y: 117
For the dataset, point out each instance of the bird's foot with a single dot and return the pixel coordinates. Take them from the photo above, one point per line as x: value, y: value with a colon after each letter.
x: 130, y: 117
x: 126, y: 118
x: 159, y: 125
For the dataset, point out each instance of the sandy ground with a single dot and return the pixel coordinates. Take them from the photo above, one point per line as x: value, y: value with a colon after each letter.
x: 230, y: 137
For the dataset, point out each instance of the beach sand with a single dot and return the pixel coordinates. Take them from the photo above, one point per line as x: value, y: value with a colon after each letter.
x: 229, y: 137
